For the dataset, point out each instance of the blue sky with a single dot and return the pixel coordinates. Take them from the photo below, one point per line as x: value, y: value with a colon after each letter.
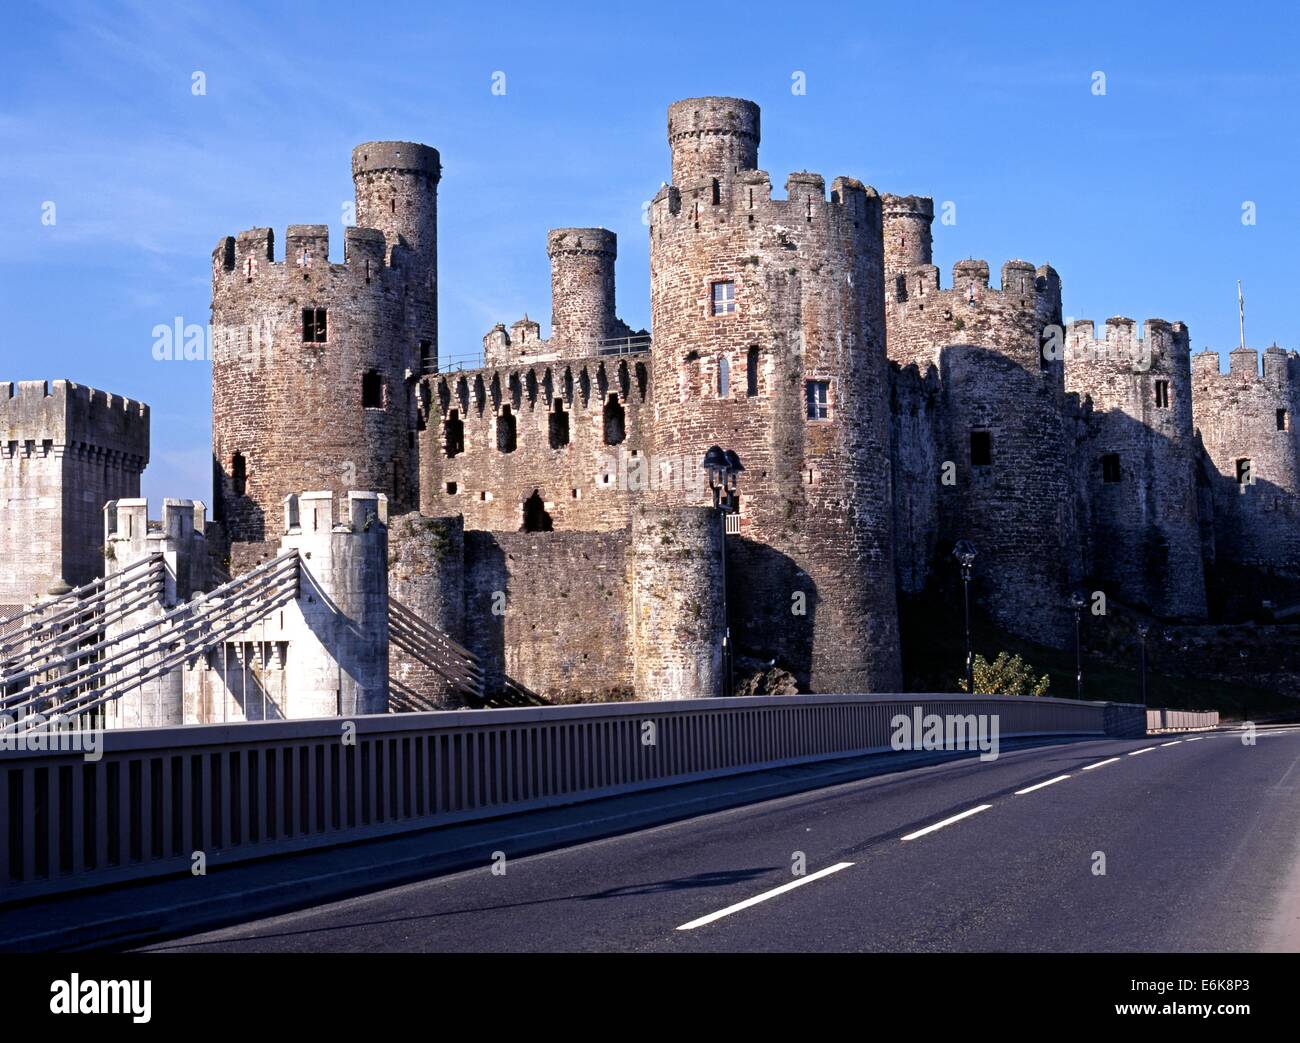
x: 1135, y: 196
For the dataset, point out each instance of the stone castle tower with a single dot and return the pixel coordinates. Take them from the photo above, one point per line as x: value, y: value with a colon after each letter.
x: 314, y: 363
x: 983, y: 447
x: 769, y: 334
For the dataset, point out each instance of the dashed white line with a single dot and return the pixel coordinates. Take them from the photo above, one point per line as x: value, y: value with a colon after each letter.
x: 947, y: 822
x: 1174, y: 743
x: 1145, y: 749
x: 1040, y: 785
x: 1108, y: 760
x: 764, y: 896
x: 1197, y: 738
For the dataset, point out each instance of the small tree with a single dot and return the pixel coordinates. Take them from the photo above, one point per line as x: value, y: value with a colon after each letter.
x: 1006, y: 675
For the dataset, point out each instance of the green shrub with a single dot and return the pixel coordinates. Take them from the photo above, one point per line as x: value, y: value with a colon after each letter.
x: 1006, y: 675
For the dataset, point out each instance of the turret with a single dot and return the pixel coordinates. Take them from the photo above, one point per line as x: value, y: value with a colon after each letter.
x: 908, y: 242
x: 712, y: 138
x: 582, y: 289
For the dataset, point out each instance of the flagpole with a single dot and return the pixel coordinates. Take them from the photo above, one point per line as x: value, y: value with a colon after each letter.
x: 1241, y: 313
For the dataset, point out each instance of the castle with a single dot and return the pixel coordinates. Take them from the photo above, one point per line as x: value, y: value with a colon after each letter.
x: 549, y: 510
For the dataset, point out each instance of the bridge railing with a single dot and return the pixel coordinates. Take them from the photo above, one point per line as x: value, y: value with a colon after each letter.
x: 158, y: 796
x: 1181, y: 720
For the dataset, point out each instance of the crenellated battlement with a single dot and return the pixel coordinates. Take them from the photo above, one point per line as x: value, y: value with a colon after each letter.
x: 249, y: 257
x: 748, y: 197
x: 1161, y: 346
x: 65, y: 414
x: 1022, y: 285
x: 322, y: 512
x: 581, y: 384
x: 1281, y: 368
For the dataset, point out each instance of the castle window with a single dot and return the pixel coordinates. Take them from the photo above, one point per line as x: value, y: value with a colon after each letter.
x: 615, y: 422
x: 1281, y: 420
x: 426, y: 357
x: 452, y: 488
x: 313, y: 326
x: 1245, y: 476
x: 1110, y: 468
x: 454, y: 429
x: 981, y: 448
x: 717, y: 192
x: 559, y: 426
x: 724, y: 376
x: 724, y: 298
x: 751, y: 372
x: 817, y: 394
x: 374, y: 395
x: 238, y: 474
x: 506, y: 431
x: 535, y: 517
x: 1162, y: 394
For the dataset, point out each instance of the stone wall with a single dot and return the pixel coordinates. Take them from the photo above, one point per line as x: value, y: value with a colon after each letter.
x: 549, y: 611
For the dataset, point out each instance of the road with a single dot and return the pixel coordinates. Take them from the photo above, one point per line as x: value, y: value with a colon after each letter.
x: 1200, y: 837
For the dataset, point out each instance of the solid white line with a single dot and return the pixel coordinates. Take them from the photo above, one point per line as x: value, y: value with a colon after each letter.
x: 1145, y: 749
x: 947, y: 822
x: 1040, y: 785
x: 1174, y: 743
x: 1109, y: 760
x: 764, y: 896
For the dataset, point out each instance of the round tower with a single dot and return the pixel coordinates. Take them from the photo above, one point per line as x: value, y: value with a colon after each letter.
x: 908, y: 240
x: 769, y: 340
x: 396, y: 186
x: 712, y: 138
x: 582, y: 288
x: 678, y: 614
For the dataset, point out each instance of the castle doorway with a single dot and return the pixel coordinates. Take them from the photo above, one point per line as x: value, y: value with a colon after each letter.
x: 536, y: 518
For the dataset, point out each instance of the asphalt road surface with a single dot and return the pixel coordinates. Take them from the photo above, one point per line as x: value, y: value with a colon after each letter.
x: 1200, y: 837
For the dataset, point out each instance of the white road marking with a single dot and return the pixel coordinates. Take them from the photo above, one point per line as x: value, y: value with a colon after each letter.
x: 1145, y: 749
x: 1174, y: 743
x: 1108, y: 760
x: 947, y: 822
x: 1197, y: 739
x: 764, y: 896
x: 1040, y: 785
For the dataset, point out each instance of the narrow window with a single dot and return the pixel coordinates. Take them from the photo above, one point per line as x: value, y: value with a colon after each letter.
x: 313, y: 326
x: 981, y: 448
x: 238, y: 474
x: 724, y: 298
x: 724, y: 376
x: 506, y: 431
x: 615, y: 422
x: 454, y: 429
x: 751, y: 372
x: 1162, y: 394
x: 1110, y: 468
x: 559, y: 426
x: 372, y: 390
x: 818, y: 394
x: 536, y: 519
x: 717, y: 192
x: 1281, y: 419
x: 1245, y: 476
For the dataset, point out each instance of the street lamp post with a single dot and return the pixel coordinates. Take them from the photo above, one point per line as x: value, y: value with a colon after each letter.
x: 964, y: 552
x: 723, y: 469
x: 1143, y: 629
x: 1077, y: 602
